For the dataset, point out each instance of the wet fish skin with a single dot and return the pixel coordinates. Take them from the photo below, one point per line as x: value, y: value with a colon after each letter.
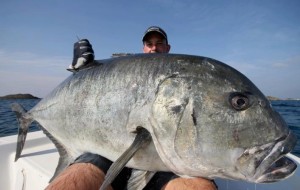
x: 205, y: 118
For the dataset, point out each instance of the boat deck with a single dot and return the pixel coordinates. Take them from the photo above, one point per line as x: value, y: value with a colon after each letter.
x: 39, y: 159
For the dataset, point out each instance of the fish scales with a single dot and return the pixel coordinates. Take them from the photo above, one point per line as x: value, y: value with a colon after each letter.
x: 205, y: 118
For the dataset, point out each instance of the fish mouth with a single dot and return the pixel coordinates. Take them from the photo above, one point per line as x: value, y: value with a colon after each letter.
x: 276, y: 166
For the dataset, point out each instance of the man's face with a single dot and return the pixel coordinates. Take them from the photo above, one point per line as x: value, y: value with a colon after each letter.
x: 155, y: 43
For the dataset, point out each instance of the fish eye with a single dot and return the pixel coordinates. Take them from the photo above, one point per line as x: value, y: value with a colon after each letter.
x: 239, y: 101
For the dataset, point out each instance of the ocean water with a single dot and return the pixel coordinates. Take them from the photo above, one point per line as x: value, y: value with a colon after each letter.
x: 289, y: 109
x: 8, y: 121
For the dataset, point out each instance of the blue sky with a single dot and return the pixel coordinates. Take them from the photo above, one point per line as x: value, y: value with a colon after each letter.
x: 260, y: 38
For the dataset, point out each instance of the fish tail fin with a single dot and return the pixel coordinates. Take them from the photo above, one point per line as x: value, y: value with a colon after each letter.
x: 23, y: 128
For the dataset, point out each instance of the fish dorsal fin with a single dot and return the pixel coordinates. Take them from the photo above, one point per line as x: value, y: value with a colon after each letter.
x: 139, y: 179
x: 142, y: 137
x: 64, y: 157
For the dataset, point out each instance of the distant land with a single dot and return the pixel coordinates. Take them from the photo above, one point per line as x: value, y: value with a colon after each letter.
x: 29, y: 96
x: 275, y: 98
x: 19, y: 96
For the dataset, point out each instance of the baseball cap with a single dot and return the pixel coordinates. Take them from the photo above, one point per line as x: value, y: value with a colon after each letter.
x: 155, y: 29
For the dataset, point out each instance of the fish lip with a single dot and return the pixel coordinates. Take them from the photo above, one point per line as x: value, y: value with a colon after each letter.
x: 276, y: 166
x: 279, y: 170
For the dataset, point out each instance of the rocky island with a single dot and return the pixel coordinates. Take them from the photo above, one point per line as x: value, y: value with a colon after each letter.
x: 18, y: 96
x: 272, y: 98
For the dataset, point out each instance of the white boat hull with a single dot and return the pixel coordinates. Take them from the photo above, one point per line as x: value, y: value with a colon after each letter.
x: 39, y: 159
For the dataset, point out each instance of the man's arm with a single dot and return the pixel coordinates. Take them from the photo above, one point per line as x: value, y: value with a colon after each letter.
x: 88, y: 172
x: 189, y: 183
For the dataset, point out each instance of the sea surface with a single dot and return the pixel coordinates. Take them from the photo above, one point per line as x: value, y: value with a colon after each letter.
x: 289, y: 109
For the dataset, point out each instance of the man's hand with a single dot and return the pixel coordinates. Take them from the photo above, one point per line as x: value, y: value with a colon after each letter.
x: 83, y: 54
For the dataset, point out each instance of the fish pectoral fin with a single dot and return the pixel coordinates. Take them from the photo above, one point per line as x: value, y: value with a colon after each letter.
x: 23, y: 128
x: 139, y: 179
x: 142, y: 137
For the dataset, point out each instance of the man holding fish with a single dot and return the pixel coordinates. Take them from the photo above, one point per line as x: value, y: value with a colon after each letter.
x: 89, y: 170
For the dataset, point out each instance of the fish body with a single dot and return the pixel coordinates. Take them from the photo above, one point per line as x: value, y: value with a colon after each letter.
x: 205, y: 118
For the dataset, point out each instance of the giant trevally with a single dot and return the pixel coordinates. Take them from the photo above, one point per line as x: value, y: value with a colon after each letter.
x: 204, y: 118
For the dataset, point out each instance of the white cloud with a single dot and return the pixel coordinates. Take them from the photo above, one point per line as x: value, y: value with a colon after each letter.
x: 25, y: 72
x: 29, y: 59
x: 292, y: 62
x: 278, y: 78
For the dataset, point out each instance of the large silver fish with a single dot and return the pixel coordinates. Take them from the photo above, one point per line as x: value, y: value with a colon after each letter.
x: 204, y: 117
